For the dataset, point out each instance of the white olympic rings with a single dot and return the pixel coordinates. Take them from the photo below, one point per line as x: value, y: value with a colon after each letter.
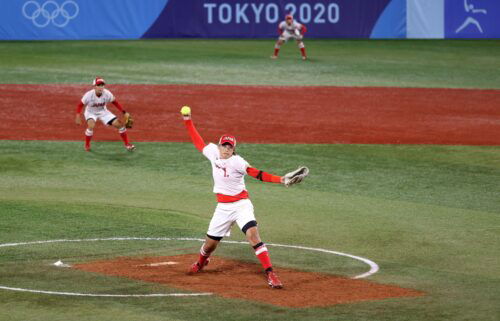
x: 50, y: 11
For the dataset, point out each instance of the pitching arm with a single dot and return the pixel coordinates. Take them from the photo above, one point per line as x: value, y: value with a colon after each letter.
x: 263, y: 176
x: 193, y: 133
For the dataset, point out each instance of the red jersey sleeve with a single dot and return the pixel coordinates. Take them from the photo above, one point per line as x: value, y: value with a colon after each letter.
x: 303, y: 30
x: 263, y: 176
x: 195, y: 136
x: 118, y: 106
x: 79, y: 107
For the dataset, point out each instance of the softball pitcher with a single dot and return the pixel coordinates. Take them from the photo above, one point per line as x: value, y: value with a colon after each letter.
x: 234, y: 205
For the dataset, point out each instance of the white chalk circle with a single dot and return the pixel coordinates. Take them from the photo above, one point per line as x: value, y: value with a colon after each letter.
x: 373, y: 266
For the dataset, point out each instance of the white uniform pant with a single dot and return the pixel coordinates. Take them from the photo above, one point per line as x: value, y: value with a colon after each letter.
x: 226, y: 214
x: 286, y: 35
x: 104, y: 115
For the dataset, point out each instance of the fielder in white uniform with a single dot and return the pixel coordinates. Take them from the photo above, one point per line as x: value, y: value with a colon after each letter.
x: 234, y: 205
x: 290, y: 29
x: 95, y: 101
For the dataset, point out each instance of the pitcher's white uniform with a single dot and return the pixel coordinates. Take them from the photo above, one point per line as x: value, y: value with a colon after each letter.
x: 290, y: 31
x: 228, y: 175
x: 228, y: 171
x: 95, y: 106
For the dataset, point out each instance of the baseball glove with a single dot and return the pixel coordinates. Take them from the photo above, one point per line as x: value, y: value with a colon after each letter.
x: 129, y: 121
x: 296, y: 176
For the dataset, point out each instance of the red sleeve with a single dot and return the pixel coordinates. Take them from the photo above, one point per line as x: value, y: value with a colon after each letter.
x: 280, y: 31
x: 263, y: 176
x: 79, y: 107
x: 303, y: 29
x: 195, y: 136
x: 118, y: 106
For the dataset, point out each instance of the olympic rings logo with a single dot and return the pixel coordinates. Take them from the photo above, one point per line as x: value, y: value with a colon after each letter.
x: 50, y: 11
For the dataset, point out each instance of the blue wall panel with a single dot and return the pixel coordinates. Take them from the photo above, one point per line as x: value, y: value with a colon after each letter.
x: 133, y: 19
x: 77, y: 19
x: 392, y: 22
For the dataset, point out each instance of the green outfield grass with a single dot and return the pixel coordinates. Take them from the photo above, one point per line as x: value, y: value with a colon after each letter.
x: 428, y: 215
x: 407, y: 63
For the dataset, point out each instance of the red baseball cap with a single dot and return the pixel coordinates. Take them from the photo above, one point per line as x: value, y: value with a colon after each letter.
x: 98, y: 81
x: 288, y: 16
x: 230, y: 139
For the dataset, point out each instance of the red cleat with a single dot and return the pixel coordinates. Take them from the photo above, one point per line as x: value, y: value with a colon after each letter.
x: 196, y: 267
x: 87, y: 148
x: 273, y: 281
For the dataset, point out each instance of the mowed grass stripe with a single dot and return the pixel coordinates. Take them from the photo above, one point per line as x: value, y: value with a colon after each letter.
x: 346, y: 62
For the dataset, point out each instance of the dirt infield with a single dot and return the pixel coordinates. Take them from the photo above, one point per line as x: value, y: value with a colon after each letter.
x: 265, y: 114
x: 235, y: 279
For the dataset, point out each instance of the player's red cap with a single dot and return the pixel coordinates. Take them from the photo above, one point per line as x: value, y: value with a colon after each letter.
x: 230, y: 139
x: 98, y: 81
x: 288, y: 17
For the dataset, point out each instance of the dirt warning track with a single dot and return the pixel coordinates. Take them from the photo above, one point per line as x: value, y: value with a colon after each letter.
x: 258, y: 114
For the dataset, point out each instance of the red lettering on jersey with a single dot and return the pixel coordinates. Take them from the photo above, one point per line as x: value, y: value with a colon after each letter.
x: 222, y: 168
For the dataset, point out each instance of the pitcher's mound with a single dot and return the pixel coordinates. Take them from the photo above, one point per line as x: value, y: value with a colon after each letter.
x: 235, y: 279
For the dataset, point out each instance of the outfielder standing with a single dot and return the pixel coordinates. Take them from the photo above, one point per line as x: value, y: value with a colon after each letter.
x: 95, y: 101
x: 290, y: 29
x: 234, y: 205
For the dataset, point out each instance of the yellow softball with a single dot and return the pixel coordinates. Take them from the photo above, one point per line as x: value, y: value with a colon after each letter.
x: 186, y: 110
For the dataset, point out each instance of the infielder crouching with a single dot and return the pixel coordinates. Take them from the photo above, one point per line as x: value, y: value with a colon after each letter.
x: 290, y: 29
x: 95, y: 101
x: 234, y: 205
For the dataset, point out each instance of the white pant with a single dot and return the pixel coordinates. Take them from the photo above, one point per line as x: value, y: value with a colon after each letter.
x: 287, y: 35
x: 226, y: 214
x: 104, y: 115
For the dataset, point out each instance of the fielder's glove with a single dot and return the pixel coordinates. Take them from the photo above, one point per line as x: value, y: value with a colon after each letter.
x: 296, y: 176
x: 129, y: 121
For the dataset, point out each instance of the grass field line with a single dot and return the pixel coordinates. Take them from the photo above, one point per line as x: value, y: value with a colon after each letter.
x: 106, y: 295
x: 374, y: 268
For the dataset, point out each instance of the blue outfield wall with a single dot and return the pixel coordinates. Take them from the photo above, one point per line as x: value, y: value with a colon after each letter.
x: 133, y: 19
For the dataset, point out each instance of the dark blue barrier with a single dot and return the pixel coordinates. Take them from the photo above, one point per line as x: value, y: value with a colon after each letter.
x: 260, y: 19
x: 133, y: 19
